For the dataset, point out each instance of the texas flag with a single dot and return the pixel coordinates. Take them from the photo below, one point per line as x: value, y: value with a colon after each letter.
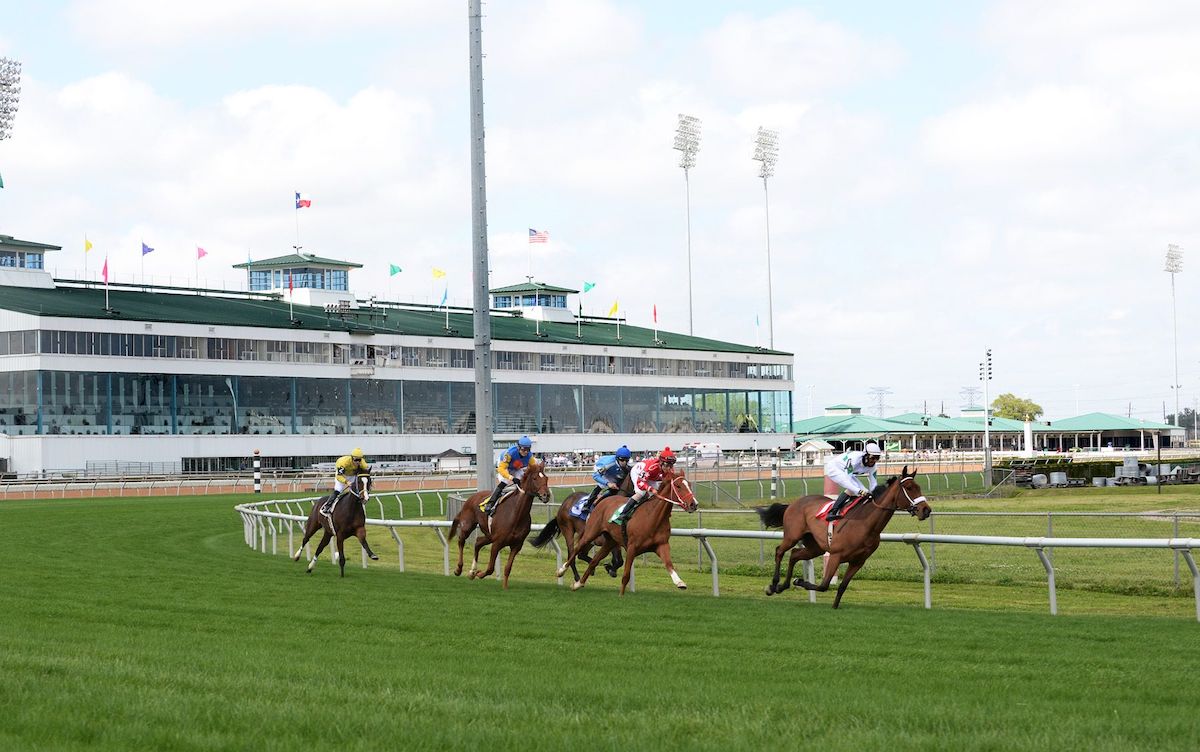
x: 302, y: 201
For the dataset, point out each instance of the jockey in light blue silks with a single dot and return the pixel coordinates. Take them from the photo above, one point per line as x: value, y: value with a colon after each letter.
x: 610, y: 472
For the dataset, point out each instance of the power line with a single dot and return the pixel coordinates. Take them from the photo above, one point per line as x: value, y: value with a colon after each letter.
x: 879, y: 393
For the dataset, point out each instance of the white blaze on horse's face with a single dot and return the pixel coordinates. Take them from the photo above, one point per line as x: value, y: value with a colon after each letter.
x: 912, y: 502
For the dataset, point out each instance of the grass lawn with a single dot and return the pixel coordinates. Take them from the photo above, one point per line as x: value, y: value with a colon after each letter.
x: 148, y: 624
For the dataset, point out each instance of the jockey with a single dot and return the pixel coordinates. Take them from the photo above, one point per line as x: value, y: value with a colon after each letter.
x: 348, y: 468
x: 511, y: 469
x: 647, y: 477
x: 841, y: 469
x: 610, y: 473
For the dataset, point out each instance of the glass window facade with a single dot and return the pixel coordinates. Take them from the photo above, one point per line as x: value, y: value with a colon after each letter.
x: 84, y: 402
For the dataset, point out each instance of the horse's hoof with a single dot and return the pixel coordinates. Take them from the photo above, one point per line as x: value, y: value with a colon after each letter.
x: 576, y: 585
x: 612, y: 571
x: 770, y: 590
x: 372, y: 557
x: 798, y: 582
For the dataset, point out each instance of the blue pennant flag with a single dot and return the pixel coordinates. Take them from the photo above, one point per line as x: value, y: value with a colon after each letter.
x: 146, y: 249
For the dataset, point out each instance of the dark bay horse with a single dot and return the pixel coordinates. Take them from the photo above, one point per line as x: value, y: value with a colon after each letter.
x: 508, y: 527
x: 349, y: 517
x: 572, y: 530
x: 649, y: 529
x: 855, y: 538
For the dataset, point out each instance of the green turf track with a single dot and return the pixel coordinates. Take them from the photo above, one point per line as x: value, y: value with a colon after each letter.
x: 148, y: 624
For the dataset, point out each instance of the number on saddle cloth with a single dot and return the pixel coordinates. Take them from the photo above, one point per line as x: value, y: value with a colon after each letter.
x: 578, y: 510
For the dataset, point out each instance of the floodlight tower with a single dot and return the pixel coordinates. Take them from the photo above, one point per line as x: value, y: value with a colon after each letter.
x: 10, y: 94
x: 985, y: 375
x: 1173, y: 267
x: 687, y: 142
x: 766, y: 151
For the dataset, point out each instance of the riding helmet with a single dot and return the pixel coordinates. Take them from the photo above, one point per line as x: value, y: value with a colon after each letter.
x: 623, y: 453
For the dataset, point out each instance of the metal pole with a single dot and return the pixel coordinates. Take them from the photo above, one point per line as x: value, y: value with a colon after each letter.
x: 479, y: 256
x: 687, y: 191
x: 770, y: 298
x: 257, y: 472
x: 1175, y: 328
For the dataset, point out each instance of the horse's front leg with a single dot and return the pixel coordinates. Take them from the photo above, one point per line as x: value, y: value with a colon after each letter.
x: 320, y: 547
x: 341, y: 553
x: 481, y: 540
x: 361, y: 534
x: 492, y: 554
x: 831, y: 567
x: 605, y: 547
x: 664, y: 553
x: 851, y: 569
x: 573, y: 553
x: 513, y: 550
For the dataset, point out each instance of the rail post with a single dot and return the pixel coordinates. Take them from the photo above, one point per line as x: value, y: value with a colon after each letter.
x: 712, y: 560
x: 1187, y: 556
x: 1041, y: 552
x: 924, y: 574
x: 257, y: 471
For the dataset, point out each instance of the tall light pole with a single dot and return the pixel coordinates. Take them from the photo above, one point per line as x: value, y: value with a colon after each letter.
x: 10, y: 94
x: 766, y: 151
x: 1173, y: 267
x: 481, y: 315
x: 985, y: 375
x: 687, y: 142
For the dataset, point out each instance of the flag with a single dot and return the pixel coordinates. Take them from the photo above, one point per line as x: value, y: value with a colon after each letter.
x: 393, y: 270
x: 302, y: 201
x: 200, y: 253
x: 104, y: 271
x: 536, y: 236
x: 445, y: 296
x: 588, y: 285
x: 1, y: 181
x: 289, y: 284
x: 613, y: 311
x: 656, y: 313
x: 438, y: 273
x: 146, y: 249
x: 87, y: 244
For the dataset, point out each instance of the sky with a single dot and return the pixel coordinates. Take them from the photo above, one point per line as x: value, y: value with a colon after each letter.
x: 952, y: 177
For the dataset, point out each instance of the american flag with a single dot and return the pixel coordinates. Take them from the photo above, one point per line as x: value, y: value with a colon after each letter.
x: 539, y: 237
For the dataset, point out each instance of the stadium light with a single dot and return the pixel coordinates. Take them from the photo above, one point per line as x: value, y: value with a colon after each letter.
x: 1173, y: 266
x: 10, y: 94
x: 985, y: 375
x: 687, y: 143
x: 766, y: 152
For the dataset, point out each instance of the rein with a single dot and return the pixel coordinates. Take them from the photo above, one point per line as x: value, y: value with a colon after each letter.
x: 676, y: 502
x: 912, y: 503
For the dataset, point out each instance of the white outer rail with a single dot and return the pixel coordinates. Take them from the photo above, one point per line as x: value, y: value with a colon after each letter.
x: 257, y: 519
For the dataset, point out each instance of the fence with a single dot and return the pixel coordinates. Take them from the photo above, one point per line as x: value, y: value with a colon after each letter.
x: 279, y: 517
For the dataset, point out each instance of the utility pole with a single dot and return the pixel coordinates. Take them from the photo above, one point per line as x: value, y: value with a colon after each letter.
x: 985, y: 375
x: 481, y: 316
x: 1173, y: 266
x: 878, y: 393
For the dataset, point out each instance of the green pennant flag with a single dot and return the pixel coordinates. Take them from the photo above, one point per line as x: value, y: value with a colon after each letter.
x: 588, y: 285
x: 1, y: 181
x: 394, y: 270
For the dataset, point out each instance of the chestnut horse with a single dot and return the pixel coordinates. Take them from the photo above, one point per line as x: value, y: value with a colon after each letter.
x: 349, y: 518
x: 855, y: 538
x: 572, y: 529
x: 508, y: 527
x: 649, y: 529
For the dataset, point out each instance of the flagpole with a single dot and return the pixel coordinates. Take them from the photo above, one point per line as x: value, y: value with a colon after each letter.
x: 297, y: 220
x: 106, y: 306
x: 85, y: 253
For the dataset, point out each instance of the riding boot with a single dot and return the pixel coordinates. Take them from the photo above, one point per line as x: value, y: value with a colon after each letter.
x: 591, y: 500
x: 491, y: 504
x: 327, y: 503
x: 835, y: 512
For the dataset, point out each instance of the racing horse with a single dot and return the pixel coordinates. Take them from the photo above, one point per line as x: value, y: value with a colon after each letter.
x: 856, y: 536
x: 572, y: 527
x: 508, y: 527
x: 649, y: 529
x: 348, y: 517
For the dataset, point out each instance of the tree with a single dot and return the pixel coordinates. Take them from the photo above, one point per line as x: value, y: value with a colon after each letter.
x: 1011, y: 406
x: 1187, y: 420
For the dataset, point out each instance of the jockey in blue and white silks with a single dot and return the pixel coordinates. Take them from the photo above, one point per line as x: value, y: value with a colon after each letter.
x: 610, y: 472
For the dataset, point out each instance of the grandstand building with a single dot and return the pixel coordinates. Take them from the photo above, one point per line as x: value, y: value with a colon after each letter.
x: 299, y: 368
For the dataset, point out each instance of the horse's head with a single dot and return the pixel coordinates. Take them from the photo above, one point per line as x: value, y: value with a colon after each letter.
x: 676, y: 489
x: 906, y: 495
x: 536, y: 482
x: 362, y: 487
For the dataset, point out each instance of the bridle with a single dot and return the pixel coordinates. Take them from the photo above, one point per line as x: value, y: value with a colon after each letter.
x: 677, y: 502
x: 912, y: 503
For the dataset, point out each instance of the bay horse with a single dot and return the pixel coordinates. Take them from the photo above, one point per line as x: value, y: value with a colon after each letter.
x: 507, y: 528
x: 572, y: 528
x: 349, y: 517
x: 856, y: 535
x: 649, y: 529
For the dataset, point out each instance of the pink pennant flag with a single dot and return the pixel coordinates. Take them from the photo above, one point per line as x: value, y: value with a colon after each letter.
x: 200, y: 253
x: 104, y: 271
x: 656, y: 313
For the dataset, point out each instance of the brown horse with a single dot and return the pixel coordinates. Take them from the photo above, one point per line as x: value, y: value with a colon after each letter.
x: 855, y: 538
x: 349, y: 517
x: 572, y: 529
x: 508, y: 527
x: 649, y: 529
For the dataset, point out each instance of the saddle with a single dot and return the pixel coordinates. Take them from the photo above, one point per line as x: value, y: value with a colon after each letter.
x: 509, y: 490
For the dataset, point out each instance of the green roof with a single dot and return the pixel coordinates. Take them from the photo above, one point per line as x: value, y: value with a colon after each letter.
x: 843, y: 407
x: 838, y: 426
x: 530, y: 287
x: 296, y: 259
x: 8, y: 241
x: 259, y: 311
x: 1106, y: 422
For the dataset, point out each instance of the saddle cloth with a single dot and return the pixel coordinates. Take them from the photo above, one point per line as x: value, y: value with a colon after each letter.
x: 845, y: 510
x: 509, y: 490
x: 577, y: 509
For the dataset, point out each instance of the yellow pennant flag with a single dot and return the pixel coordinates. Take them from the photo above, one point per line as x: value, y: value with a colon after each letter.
x: 87, y: 244
x: 613, y: 311
x: 438, y: 273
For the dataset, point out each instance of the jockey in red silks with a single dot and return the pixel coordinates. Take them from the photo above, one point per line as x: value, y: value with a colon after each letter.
x: 647, y: 477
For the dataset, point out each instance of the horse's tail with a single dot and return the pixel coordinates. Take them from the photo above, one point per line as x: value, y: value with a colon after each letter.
x: 547, y: 534
x: 453, y: 529
x: 772, y: 516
